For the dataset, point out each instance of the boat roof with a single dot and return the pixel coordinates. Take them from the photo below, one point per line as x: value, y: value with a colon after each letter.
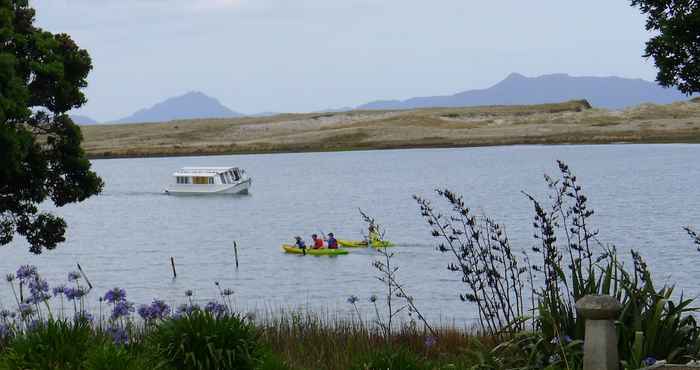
x: 203, y: 171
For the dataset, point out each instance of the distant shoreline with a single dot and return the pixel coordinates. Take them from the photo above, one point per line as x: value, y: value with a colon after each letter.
x: 570, y: 123
x: 344, y: 150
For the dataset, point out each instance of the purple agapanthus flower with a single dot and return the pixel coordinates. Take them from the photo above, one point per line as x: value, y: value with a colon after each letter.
x: 4, y: 314
x: 58, y: 290
x: 74, y: 276
x: 10, y: 278
x: 5, y: 331
x: 39, y: 290
x: 25, y: 272
x: 121, y: 309
x: 115, y: 295
x: 156, y: 310
x: 215, y: 308
x: 353, y: 299
x: 430, y: 341
x: 74, y: 293
x: 649, y: 361
x: 119, y: 335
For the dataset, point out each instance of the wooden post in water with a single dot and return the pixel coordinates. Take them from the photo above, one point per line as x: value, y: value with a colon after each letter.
x: 172, y: 263
x: 235, y: 252
x: 84, y: 276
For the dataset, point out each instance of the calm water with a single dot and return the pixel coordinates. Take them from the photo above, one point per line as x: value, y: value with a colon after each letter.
x: 643, y: 195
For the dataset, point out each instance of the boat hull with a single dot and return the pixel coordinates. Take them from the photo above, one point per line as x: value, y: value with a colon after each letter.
x: 241, y: 187
x: 314, y: 252
x: 363, y: 244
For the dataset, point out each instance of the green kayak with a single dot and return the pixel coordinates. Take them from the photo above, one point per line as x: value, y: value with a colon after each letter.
x: 363, y: 243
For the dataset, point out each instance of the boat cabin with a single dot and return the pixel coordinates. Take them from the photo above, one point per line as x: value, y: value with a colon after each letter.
x: 208, y: 175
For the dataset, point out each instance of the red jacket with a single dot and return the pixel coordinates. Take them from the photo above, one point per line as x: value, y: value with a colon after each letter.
x: 318, y: 243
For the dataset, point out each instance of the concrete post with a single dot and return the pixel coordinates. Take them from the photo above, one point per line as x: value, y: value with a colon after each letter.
x: 600, y: 346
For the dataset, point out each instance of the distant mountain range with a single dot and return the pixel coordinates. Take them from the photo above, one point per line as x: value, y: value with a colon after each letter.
x: 601, y: 92
x: 189, y: 106
x: 82, y: 120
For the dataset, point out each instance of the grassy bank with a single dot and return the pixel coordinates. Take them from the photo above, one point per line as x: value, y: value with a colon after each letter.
x: 563, y: 123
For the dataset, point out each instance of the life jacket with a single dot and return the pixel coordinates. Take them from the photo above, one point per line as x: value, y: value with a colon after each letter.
x: 318, y: 243
x: 332, y: 243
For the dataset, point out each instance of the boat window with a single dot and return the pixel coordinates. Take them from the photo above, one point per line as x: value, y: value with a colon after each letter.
x: 223, y: 178
x: 200, y: 180
x: 236, y: 176
x: 182, y: 180
x: 211, y: 180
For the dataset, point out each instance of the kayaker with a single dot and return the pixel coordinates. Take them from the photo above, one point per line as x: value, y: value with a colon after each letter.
x: 318, y: 242
x: 373, y: 235
x: 300, y: 243
x: 332, y: 243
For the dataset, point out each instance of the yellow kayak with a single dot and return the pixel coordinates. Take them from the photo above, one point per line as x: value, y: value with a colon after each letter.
x: 363, y: 243
x: 314, y: 252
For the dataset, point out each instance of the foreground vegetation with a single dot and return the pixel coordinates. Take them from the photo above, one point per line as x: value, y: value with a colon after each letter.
x: 572, y: 122
x: 524, y: 299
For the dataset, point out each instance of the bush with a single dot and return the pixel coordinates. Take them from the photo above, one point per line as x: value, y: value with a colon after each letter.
x: 108, y: 356
x: 50, y: 345
x: 201, y: 340
x: 391, y: 359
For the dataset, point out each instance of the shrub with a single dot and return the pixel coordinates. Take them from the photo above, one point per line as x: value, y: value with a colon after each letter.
x: 108, y: 356
x: 203, y: 340
x: 391, y: 358
x: 50, y: 345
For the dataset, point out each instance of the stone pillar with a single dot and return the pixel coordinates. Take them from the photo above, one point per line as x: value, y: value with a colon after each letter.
x: 600, y: 346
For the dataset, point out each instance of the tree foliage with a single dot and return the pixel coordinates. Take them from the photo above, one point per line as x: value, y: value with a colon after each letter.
x: 41, y: 77
x: 676, y: 46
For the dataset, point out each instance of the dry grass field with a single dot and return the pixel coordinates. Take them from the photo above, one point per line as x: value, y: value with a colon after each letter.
x: 562, y: 123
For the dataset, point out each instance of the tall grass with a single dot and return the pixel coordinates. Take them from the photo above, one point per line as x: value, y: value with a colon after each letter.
x: 309, y: 340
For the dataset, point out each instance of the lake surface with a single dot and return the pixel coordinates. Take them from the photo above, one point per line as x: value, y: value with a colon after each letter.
x: 642, y: 194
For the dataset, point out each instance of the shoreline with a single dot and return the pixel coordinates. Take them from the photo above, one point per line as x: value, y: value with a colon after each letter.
x: 569, y: 123
x: 204, y: 153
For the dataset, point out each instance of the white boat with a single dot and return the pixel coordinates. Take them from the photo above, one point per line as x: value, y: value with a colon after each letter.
x: 209, y: 180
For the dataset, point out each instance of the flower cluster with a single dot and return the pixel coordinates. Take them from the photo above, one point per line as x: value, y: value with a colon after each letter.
x: 26, y: 272
x: 38, y: 289
x: 215, y: 308
x: 119, y: 334
x: 74, y: 276
x: 115, y: 295
x: 157, y: 310
x: 74, y: 293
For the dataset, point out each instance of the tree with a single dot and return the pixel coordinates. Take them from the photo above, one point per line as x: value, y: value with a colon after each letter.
x: 676, y: 47
x: 41, y: 77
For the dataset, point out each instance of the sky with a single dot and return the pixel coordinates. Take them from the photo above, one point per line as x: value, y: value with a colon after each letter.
x: 308, y: 55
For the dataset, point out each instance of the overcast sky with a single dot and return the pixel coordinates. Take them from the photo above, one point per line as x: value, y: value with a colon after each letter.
x: 305, y: 55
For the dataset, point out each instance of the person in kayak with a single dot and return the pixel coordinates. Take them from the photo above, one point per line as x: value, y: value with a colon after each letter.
x: 318, y: 242
x: 332, y: 243
x: 300, y: 244
x: 373, y: 235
